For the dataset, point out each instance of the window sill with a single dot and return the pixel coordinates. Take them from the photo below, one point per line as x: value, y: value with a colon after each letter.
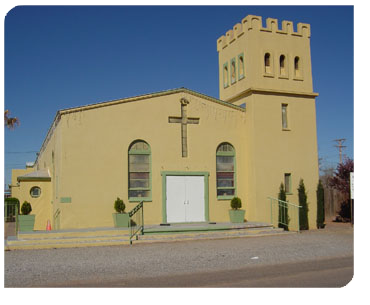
x: 269, y: 75
x: 225, y: 197
x: 298, y: 78
x: 138, y: 199
x: 241, y: 77
x: 288, y: 193
x: 283, y: 77
x: 286, y: 129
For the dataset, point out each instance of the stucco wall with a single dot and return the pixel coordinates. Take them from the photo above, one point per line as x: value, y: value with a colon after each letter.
x: 94, y: 157
x: 41, y: 206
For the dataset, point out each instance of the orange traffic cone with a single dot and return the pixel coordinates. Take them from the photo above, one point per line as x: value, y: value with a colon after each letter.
x: 48, y: 226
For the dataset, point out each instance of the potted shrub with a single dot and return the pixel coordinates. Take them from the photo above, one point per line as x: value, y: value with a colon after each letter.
x: 121, y: 219
x: 26, y: 221
x: 236, y: 214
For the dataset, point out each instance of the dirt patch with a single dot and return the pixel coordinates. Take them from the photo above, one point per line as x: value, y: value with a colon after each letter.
x: 337, y: 227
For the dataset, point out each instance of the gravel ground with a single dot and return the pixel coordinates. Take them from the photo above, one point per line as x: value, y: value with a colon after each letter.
x: 42, y: 268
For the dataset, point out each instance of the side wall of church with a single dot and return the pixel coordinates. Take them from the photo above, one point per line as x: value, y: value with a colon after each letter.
x: 94, y: 158
x: 50, y: 158
x: 275, y: 151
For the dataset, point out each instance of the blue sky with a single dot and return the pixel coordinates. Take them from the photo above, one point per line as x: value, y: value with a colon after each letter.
x: 60, y: 57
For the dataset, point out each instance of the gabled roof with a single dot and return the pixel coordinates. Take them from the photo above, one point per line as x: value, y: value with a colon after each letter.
x: 40, y: 175
x: 150, y: 95
x: 130, y: 99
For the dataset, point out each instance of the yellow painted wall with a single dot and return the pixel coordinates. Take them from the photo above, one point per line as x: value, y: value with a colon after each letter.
x: 251, y: 39
x: 94, y: 155
x: 52, y: 146
x: 44, y: 207
x: 272, y: 151
x: 275, y: 151
x: 41, y: 206
x: 16, y: 173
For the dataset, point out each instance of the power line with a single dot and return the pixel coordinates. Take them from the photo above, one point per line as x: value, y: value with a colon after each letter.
x: 21, y: 152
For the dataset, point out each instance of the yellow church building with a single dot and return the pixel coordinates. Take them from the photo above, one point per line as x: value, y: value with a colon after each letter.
x: 183, y: 153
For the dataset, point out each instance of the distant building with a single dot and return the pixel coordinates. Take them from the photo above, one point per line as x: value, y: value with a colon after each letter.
x: 7, y: 193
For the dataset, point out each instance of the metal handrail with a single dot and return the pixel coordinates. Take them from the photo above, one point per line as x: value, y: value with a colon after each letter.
x: 56, y: 214
x: 138, y: 225
x: 16, y: 220
x: 286, y: 205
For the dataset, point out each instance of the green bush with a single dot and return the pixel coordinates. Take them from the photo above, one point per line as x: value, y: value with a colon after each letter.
x: 320, y: 206
x: 303, y: 211
x: 119, y: 206
x: 236, y: 203
x: 26, y: 208
x: 283, y: 209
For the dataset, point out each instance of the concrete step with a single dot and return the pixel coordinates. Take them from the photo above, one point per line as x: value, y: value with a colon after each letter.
x: 66, y: 240
x: 168, y: 237
x: 72, y: 233
x: 121, y: 237
x: 71, y: 244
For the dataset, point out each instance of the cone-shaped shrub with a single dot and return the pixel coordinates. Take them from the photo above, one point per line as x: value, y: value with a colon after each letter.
x: 119, y: 206
x: 283, y: 209
x: 303, y: 211
x: 320, y: 206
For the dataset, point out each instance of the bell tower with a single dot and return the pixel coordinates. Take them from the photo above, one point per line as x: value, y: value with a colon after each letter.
x: 267, y: 71
x: 253, y: 58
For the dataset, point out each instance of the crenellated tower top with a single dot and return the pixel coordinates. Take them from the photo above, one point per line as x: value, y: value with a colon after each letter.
x: 254, y: 23
x: 268, y: 58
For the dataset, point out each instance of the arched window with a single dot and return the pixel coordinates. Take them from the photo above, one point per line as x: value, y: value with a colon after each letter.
x: 233, y: 71
x: 225, y: 171
x: 282, y: 64
x: 226, y: 75
x: 139, y: 166
x: 268, y: 63
x: 240, y: 66
x: 297, y: 67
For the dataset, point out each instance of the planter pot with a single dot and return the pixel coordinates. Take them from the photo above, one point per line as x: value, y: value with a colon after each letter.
x: 236, y: 216
x: 26, y: 223
x: 121, y: 220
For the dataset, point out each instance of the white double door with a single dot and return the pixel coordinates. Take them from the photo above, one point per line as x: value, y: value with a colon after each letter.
x: 185, y: 199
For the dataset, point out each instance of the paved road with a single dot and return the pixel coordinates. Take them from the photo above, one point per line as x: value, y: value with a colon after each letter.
x: 321, y: 258
x: 334, y: 272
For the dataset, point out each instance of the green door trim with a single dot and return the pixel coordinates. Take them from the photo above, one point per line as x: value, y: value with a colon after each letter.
x: 164, y: 175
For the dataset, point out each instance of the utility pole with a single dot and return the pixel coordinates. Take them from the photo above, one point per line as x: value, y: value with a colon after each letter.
x: 340, y: 146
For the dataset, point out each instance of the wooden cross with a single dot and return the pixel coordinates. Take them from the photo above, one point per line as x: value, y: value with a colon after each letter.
x: 184, y: 120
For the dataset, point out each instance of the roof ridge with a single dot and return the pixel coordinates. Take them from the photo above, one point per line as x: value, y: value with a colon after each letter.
x: 147, y: 95
x: 130, y: 99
